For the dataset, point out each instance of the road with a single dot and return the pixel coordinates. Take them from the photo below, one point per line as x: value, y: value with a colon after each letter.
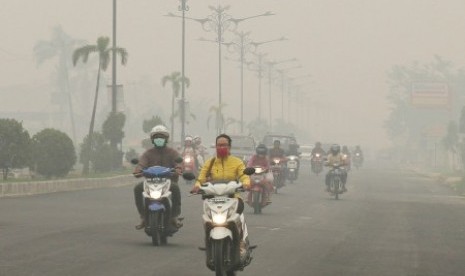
x: 391, y: 222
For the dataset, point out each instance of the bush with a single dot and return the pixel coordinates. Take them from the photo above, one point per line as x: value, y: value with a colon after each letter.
x: 14, y: 146
x: 54, y: 153
x: 103, y: 157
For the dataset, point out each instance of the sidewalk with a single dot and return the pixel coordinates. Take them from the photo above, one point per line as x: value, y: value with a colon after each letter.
x: 452, y: 182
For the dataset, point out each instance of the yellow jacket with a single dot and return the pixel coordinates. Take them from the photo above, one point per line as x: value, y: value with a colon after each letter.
x: 229, y: 168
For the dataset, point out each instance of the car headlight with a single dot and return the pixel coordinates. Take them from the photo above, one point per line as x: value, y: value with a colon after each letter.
x: 219, y: 218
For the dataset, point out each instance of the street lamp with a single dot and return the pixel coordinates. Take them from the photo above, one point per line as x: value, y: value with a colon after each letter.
x: 183, y: 7
x: 281, y: 73
x: 243, y: 45
x: 270, y: 67
x: 219, y: 22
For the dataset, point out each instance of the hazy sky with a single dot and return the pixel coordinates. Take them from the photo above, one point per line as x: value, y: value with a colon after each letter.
x: 346, y: 45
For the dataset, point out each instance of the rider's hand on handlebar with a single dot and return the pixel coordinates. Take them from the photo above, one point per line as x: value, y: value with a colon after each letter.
x: 179, y: 170
x: 137, y: 174
x: 195, y: 190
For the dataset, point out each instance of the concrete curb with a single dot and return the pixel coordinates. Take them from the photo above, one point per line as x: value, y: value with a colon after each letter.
x: 43, y: 187
x: 450, y: 181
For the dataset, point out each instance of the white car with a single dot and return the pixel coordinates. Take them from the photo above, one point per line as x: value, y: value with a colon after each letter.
x: 306, y: 152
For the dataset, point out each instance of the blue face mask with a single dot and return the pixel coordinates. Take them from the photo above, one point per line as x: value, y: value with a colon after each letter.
x: 159, y: 142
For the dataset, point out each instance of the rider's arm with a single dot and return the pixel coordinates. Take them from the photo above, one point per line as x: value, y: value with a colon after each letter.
x: 244, y: 179
x: 202, y: 178
x: 143, y: 163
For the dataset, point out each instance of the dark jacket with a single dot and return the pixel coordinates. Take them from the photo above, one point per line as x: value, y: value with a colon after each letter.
x: 159, y: 157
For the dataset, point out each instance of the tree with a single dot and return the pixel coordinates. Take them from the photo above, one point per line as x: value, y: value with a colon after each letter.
x: 451, y: 141
x: 14, y: 146
x: 60, y: 45
x: 406, y: 124
x: 176, y: 80
x: 258, y: 128
x: 104, y: 54
x: 102, y: 156
x: 112, y: 128
x: 131, y: 154
x: 217, y: 113
x: 54, y: 153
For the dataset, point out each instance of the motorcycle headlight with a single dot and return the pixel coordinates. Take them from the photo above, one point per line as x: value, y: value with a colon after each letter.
x: 155, y: 194
x: 219, y: 218
x: 317, y: 155
x: 276, y: 161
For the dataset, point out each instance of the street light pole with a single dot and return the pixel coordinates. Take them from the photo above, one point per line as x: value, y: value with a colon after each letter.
x: 219, y: 21
x: 113, y: 81
x: 270, y: 66
x: 183, y: 7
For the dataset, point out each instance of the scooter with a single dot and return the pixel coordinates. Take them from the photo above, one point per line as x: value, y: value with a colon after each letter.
x: 335, y: 180
x: 317, y: 164
x: 157, y: 202
x: 292, y: 167
x: 277, y: 167
x: 256, y: 197
x: 224, y: 227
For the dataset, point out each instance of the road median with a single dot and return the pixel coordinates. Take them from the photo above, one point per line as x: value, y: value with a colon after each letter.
x: 43, y: 187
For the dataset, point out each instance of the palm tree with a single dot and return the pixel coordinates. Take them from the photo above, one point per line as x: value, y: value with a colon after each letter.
x: 217, y: 112
x: 175, y: 78
x: 60, y: 45
x: 104, y: 53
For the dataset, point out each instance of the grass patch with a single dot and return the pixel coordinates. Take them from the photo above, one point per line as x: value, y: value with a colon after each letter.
x: 459, y: 187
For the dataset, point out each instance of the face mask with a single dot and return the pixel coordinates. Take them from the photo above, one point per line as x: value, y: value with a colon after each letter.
x: 159, y: 142
x: 222, y: 152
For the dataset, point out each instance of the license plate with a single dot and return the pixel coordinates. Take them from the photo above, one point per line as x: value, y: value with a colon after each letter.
x: 292, y: 165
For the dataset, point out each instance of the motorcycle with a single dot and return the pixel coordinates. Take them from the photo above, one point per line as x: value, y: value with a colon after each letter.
x: 277, y: 167
x: 189, y: 165
x: 357, y: 160
x: 292, y: 167
x: 317, y: 164
x: 223, y: 227
x: 157, y: 202
x: 346, y: 157
x: 335, y: 180
x: 256, y: 197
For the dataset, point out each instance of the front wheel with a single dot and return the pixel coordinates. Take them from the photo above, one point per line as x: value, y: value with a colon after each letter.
x: 220, y: 251
x: 154, y: 224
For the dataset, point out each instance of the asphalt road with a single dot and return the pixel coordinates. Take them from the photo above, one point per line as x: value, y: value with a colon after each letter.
x: 391, y: 222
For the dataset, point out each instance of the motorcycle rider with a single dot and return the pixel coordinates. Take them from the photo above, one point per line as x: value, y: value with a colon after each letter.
x: 200, y: 150
x: 159, y: 155
x: 277, y: 151
x: 335, y: 156
x: 345, y: 151
x: 225, y: 167
x: 318, y: 149
x: 261, y: 159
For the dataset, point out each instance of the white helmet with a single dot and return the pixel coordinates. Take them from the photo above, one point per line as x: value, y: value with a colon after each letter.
x: 160, y: 129
x: 188, y: 138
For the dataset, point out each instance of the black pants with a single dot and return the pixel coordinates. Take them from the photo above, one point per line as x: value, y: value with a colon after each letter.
x: 175, y: 198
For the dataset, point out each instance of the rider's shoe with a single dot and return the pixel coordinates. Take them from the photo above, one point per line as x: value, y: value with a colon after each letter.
x: 142, y: 224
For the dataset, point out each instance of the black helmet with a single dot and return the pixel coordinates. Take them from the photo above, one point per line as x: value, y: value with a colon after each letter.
x: 261, y: 149
x: 335, y: 149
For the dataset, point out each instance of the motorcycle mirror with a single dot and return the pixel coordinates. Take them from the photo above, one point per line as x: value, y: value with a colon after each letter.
x: 249, y: 171
x: 178, y: 160
x: 188, y: 176
x: 134, y: 161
